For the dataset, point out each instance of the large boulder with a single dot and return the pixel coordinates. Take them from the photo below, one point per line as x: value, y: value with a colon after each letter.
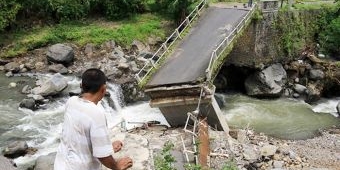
x: 28, y: 103
x: 267, y: 83
x: 12, y: 67
x: 314, y: 92
x: 139, y: 47
x: 5, y: 164
x: 52, y: 86
x: 58, y: 68
x: 300, y: 88
x: 316, y: 74
x: 338, y: 108
x: 15, y: 149
x: 45, y: 162
x: 60, y: 53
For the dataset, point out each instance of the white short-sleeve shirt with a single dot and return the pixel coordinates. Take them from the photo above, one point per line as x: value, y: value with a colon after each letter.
x: 84, y: 137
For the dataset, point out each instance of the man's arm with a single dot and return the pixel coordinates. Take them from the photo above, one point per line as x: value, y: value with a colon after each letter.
x: 121, y: 164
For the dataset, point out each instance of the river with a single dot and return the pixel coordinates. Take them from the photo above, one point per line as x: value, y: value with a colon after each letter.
x: 282, y: 118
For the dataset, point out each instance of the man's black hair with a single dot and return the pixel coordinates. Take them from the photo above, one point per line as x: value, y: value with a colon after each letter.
x: 91, y: 80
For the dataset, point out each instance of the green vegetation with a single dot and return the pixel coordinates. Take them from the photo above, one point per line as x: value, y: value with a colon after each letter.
x: 299, y: 29
x: 8, y: 12
x: 312, y: 6
x: 165, y: 160
x: 67, y: 21
x: 123, y: 32
x: 330, y: 37
x: 230, y: 165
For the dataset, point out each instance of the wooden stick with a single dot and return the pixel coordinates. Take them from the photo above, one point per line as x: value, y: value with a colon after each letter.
x: 203, y: 138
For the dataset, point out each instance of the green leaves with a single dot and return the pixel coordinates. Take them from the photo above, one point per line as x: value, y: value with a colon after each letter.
x: 165, y: 160
x: 8, y: 12
x: 330, y: 37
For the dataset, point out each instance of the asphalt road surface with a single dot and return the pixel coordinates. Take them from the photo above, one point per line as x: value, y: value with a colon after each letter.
x: 191, y: 58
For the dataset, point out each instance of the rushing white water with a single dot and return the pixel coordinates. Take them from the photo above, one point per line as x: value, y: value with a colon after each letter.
x: 41, y: 129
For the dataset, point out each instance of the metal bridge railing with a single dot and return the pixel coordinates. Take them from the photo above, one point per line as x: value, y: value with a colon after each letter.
x: 160, y: 53
x: 216, y: 54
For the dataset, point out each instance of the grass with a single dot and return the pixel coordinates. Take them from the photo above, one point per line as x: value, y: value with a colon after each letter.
x: 310, y: 5
x: 82, y: 32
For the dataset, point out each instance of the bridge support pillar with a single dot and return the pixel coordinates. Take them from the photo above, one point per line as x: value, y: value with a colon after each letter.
x: 176, y: 107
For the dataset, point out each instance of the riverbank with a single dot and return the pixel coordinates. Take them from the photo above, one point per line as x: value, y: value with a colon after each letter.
x: 244, y: 149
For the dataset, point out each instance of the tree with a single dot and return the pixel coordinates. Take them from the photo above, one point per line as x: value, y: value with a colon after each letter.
x: 8, y: 12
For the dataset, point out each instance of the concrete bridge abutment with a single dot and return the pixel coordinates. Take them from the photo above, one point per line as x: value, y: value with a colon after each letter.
x: 176, y: 102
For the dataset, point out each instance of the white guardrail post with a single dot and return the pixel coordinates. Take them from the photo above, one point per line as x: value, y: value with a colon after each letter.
x: 226, y: 42
x: 145, y: 70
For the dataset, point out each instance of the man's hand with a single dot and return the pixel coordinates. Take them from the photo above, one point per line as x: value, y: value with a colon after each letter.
x: 117, y: 146
x: 124, y: 163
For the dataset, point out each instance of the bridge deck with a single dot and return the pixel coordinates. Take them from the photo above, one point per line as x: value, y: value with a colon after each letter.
x: 190, y: 59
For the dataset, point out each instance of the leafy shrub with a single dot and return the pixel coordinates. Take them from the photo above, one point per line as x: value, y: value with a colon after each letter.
x: 117, y: 9
x: 70, y: 9
x: 176, y: 9
x: 8, y: 12
x: 330, y: 37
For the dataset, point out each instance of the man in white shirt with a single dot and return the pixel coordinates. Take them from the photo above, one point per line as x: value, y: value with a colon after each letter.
x: 85, y: 140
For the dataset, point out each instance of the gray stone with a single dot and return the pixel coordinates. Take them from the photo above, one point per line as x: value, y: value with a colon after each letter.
x: 26, y: 89
x: 60, y: 53
x: 300, y: 88
x: 36, y: 97
x: 6, y: 164
x: 292, y: 155
x: 316, y: 74
x: 267, y: 83
x: 179, y: 160
x: 296, y: 80
x: 249, y: 153
x: 296, y: 95
x: 114, y: 73
x: 52, y: 86
x: 2, y: 68
x: 123, y: 66
x: 278, y: 164
x: 242, y: 136
x: 313, y: 92
x: 288, y: 92
x: 116, y: 54
x: 134, y: 67
x: 29, y: 66
x: 138, y: 46
x: 39, y: 65
x: 45, y: 162
x: 9, y: 74
x: 58, y: 68
x: 89, y: 49
x: 109, y: 44
x: 154, y: 40
x: 12, y: 85
x: 22, y: 66
x: 321, y: 55
x: 28, y: 103
x: 15, y: 149
x: 12, y: 67
x: 268, y: 150
x: 23, y: 70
